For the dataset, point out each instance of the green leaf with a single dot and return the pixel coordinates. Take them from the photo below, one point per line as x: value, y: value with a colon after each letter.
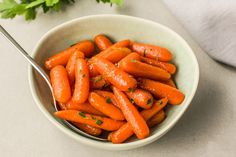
x: 108, y: 100
x: 35, y: 3
x: 7, y: 4
x: 117, y: 2
x: 45, y: 8
x: 99, y: 122
x: 30, y: 14
x: 57, y: 6
x: 12, y: 12
x: 50, y: 3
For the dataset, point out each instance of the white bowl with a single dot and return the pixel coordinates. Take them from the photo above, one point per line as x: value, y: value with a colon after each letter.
x: 117, y: 27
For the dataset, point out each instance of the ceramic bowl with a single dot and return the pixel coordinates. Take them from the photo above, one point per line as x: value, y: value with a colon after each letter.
x: 117, y: 27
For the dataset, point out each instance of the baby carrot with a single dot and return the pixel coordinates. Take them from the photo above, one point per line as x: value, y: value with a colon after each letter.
x: 131, y: 114
x: 171, y: 68
x: 170, y: 82
x: 62, y: 57
x: 70, y: 66
x: 84, y: 118
x: 133, y: 66
x: 152, y: 51
x: 85, y: 107
x: 123, y: 43
x: 116, y: 54
x: 102, y: 42
x: 105, y: 106
x: 89, y: 129
x: 109, y: 96
x: 97, y: 82
x: 115, y: 76
x: 125, y: 131
x: 157, y: 106
x: 156, y: 119
x: 81, y: 90
x: 141, y: 98
x: 60, y: 84
x: 161, y: 90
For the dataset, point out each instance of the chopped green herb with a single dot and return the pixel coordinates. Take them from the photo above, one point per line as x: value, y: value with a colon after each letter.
x: 132, y: 101
x: 82, y: 114
x: 108, y: 100
x: 99, y: 122
x: 149, y: 101
x: 160, y: 102
x: 133, y: 60
x: 116, y: 64
x: 93, y: 118
x: 83, y: 75
x: 105, y: 85
x: 80, y: 70
x: 98, y: 79
x: 130, y: 89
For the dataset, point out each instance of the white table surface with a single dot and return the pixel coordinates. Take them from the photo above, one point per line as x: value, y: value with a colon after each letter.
x: 207, y: 128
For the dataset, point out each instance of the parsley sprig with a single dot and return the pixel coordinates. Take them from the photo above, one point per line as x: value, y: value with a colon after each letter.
x: 28, y: 8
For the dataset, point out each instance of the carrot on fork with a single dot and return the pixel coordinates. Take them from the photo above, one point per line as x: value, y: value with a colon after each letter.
x: 88, y: 129
x: 84, y: 118
x: 85, y: 107
x: 60, y: 84
x: 81, y: 90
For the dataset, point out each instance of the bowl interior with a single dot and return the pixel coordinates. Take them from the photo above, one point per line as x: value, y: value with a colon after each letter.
x: 117, y: 28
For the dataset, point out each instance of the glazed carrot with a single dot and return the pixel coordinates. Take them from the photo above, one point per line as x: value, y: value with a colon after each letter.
x: 156, y: 119
x: 161, y: 90
x: 152, y: 51
x: 157, y: 106
x: 123, y: 43
x: 85, y: 107
x: 133, y: 66
x: 84, y: 118
x: 171, y: 68
x: 70, y: 66
x: 116, y: 54
x: 81, y: 90
x: 115, y: 76
x: 89, y: 129
x: 170, y: 82
x: 105, y: 106
x: 92, y: 70
x: 109, y: 96
x: 131, y: 114
x: 62, y: 57
x: 141, y: 98
x: 102, y: 42
x: 60, y: 84
x: 98, y: 82
x: 125, y: 131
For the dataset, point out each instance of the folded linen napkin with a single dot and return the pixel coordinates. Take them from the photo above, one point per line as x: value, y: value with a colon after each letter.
x: 212, y: 23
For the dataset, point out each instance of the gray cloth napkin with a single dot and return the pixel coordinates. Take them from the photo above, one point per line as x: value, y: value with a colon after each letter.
x: 212, y: 23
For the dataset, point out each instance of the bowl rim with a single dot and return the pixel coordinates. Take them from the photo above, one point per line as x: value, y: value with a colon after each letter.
x: 106, y: 145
